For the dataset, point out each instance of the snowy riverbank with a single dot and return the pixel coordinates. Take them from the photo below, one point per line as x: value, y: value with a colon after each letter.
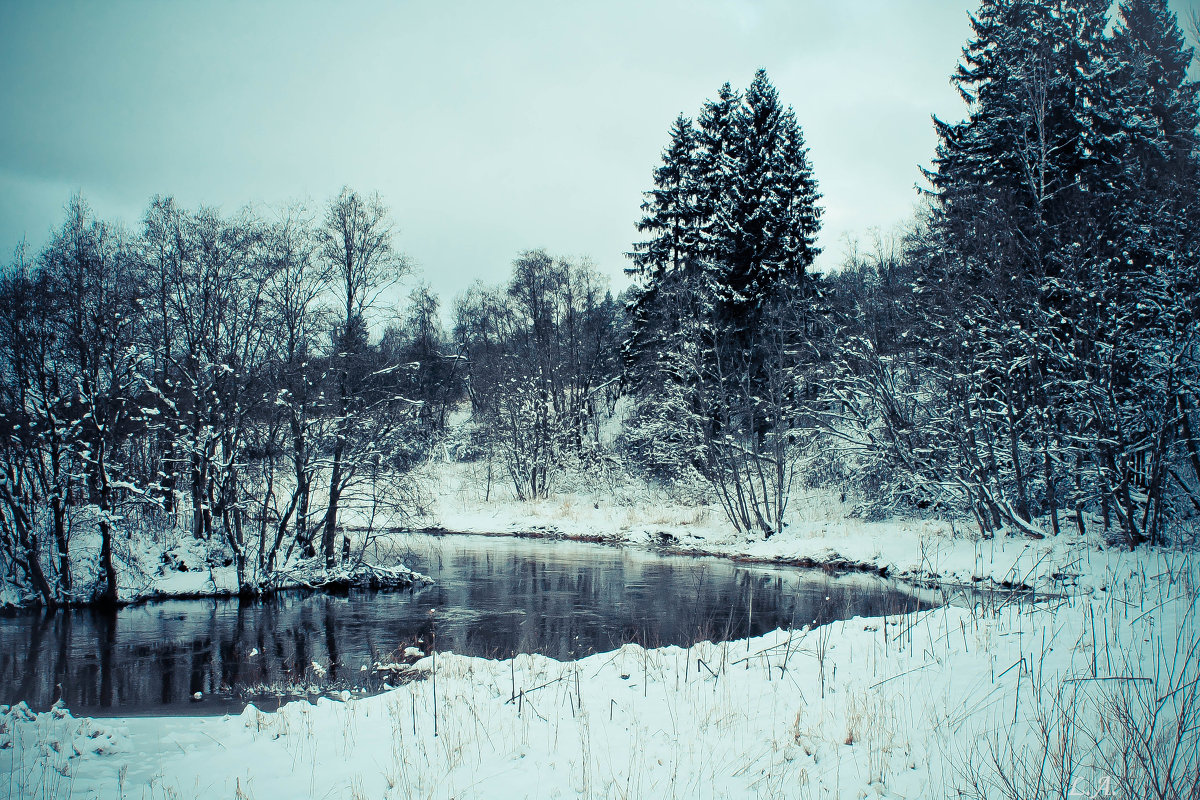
x: 905, y: 706
x: 172, y: 564
x: 962, y: 698
x: 821, y: 531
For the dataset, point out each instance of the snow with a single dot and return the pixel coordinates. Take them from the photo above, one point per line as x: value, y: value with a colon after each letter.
x: 898, y: 707
x: 882, y: 707
x: 820, y: 531
x: 157, y: 564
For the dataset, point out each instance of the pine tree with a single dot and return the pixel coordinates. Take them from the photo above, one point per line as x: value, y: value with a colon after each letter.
x: 1152, y: 276
x: 1056, y: 217
x: 710, y: 358
x: 773, y: 228
x: 670, y: 209
x: 1030, y: 77
x: 717, y: 166
x: 672, y: 251
x: 1159, y: 101
x: 734, y: 213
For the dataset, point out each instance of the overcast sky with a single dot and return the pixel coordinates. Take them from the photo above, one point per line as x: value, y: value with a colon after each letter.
x: 487, y: 127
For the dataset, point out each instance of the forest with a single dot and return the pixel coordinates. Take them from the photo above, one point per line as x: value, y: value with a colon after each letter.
x: 1021, y: 356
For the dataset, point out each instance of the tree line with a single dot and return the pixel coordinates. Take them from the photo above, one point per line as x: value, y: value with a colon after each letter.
x: 205, y: 371
x: 1037, y: 352
x: 252, y: 379
x: 1024, y: 354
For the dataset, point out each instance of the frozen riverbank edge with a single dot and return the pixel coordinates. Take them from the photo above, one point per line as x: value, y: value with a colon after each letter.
x: 915, y: 705
x: 928, y: 553
x: 821, y: 531
x: 221, y: 583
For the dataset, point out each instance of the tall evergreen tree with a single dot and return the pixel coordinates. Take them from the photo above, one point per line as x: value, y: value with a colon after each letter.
x: 669, y: 254
x: 1154, y: 59
x: 716, y: 171
x: 711, y: 354
x: 1054, y: 219
x: 775, y: 217
x: 670, y: 208
x: 1153, y: 281
x: 733, y: 213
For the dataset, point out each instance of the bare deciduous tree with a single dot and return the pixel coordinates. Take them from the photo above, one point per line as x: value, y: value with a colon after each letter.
x: 355, y: 243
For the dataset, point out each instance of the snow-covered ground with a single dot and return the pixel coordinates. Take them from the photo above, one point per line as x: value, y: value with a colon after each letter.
x: 973, y: 697
x: 924, y: 705
x: 820, y: 531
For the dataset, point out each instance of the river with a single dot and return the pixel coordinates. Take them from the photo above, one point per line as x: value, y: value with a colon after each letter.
x: 493, y: 596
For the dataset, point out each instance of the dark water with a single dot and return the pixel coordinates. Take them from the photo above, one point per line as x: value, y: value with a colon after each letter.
x: 494, y: 596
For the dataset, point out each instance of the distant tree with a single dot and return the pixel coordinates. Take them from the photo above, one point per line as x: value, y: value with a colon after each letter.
x: 538, y: 352
x: 355, y: 243
x: 430, y: 373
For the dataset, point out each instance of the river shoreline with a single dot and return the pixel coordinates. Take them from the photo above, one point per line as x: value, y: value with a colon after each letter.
x: 899, y: 705
x: 1065, y: 551
x: 493, y: 597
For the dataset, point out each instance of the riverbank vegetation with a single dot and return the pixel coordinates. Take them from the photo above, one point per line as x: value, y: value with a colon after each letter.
x: 1020, y: 360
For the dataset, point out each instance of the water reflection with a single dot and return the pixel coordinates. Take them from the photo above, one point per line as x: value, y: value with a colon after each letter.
x: 492, y: 597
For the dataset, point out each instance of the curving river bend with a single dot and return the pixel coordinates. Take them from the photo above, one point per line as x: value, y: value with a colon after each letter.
x: 493, y: 596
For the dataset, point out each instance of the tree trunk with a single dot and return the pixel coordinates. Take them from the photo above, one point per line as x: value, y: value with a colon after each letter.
x: 280, y: 531
x: 1079, y: 504
x: 328, y: 537
x: 1018, y: 470
x: 1124, y: 504
x: 28, y: 541
x: 104, y: 495
x: 198, y: 480
x: 1189, y: 440
x: 109, y: 596
x: 58, y: 514
x: 1051, y: 488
